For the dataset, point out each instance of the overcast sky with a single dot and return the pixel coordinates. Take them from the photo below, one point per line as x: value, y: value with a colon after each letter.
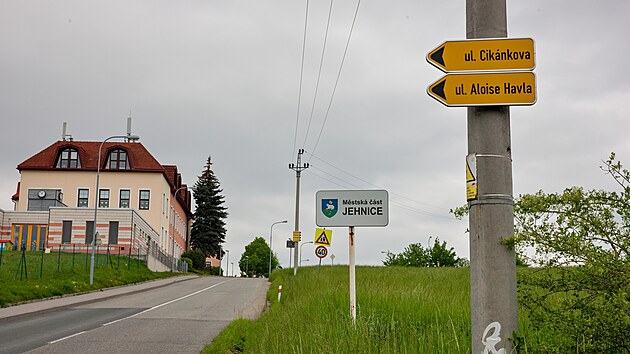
x: 222, y: 78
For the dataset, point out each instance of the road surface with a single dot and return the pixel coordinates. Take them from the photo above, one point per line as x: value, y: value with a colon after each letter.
x: 178, y: 318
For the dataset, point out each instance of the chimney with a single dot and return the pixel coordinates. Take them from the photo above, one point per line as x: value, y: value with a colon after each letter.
x: 64, y: 130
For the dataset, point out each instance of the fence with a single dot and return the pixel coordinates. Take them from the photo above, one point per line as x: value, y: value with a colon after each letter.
x: 78, y: 256
x: 158, y: 254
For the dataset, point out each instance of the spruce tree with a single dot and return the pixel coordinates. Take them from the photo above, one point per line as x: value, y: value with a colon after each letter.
x: 208, y: 229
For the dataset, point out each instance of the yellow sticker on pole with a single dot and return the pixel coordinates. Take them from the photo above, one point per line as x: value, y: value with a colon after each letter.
x: 297, y: 236
x: 323, y: 237
x: 471, y: 177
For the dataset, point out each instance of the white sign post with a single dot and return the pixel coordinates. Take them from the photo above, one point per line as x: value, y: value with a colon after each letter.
x: 349, y: 209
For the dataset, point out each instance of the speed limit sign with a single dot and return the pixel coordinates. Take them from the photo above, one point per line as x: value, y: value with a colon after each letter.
x: 321, y: 252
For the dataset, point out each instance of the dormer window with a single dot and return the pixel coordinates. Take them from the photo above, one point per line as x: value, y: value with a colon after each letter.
x: 68, y: 158
x: 118, y: 160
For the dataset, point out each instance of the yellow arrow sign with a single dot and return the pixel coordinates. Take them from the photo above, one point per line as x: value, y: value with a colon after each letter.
x: 489, y: 89
x: 484, y: 55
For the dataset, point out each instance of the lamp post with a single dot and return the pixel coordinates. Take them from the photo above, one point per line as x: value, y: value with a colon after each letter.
x: 232, y: 268
x: 270, y: 240
x: 305, y: 243
x: 227, y: 264
x: 96, y: 195
x: 173, y: 234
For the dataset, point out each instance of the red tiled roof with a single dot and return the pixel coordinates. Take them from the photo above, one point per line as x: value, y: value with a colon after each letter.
x: 140, y: 159
x: 16, y: 196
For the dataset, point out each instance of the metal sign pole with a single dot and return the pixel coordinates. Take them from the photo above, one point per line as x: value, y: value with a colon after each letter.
x: 353, y: 285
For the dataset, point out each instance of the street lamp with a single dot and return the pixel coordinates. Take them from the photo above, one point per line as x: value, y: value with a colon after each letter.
x: 227, y: 264
x: 173, y: 234
x: 305, y: 243
x: 129, y: 137
x: 270, y: 240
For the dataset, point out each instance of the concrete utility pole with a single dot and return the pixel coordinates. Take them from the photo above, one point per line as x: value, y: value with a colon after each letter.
x: 494, y: 311
x: 298, y: 168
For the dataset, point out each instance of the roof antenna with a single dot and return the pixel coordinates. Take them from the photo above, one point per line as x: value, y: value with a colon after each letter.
x: 129, y: 126
x: 64, y: 132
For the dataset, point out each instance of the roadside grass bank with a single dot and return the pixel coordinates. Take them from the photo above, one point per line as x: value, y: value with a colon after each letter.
x: 56, y: 274
x: 399, y: 310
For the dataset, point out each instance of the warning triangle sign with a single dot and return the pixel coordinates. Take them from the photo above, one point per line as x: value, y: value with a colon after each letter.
x: 323, y: 237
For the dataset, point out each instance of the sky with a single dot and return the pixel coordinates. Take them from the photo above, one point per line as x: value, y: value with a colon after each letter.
x: 222, y: 78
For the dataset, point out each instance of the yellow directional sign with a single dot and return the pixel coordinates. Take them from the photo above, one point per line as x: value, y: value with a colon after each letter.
x: 484, y: 55
x: 323, y: 237
x: 297, y: 236
x: 487, y: 89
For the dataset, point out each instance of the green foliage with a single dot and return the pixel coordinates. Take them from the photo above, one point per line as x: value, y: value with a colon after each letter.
x: 583, y: 239
x: 415, y: 255
x: 255, y: 259
x: 214, y: 271
x: 197, y: 257
x: 208, y: 230
x: 189, y: 261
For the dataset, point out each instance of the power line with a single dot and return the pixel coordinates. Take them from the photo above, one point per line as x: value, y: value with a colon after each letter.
x: 297, y: 116
x: 319, y: 74
x: 372, y: 184
x: 393, y: 202
x: 343, y: 59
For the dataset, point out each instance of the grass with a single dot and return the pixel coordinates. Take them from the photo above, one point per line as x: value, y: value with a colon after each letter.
x: 399, y: 310
x: 55, y: 274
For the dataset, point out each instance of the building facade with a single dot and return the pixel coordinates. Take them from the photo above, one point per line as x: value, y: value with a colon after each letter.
x: 143, y: 206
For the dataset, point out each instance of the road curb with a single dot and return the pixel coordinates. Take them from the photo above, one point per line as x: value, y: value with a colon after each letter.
x: 69, y: 300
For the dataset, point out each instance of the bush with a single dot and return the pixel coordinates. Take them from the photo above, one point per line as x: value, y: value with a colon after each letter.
x: 189, y: 261
x: 198, y: 258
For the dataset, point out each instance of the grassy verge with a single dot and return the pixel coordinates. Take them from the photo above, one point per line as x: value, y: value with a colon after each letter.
x: 400, y: 310
x: 59, y: 274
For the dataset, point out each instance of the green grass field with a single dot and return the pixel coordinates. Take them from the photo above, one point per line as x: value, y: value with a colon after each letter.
x: 399, y: 310
x: 54, y: 274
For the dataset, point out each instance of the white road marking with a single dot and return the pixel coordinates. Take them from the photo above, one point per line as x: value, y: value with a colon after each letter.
x: 66, y: 337
x: 166, y: 303
x: 145, y: 311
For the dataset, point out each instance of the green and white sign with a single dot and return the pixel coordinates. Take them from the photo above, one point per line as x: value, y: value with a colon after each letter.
x: 352, y: 208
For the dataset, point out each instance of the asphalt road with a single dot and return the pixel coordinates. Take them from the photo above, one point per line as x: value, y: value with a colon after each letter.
x: 178, y: 318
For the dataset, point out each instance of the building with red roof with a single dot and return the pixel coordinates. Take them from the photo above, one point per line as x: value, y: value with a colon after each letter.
x: 143, y: 207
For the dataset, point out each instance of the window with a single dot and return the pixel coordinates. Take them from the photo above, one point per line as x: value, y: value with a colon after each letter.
x: 123, y: 201
x: 82, y: 201
x: 89, y: 232
x: 113, y: 233
x: 66, y: 233
x: 145, y: 196
x: 103, y: 198
x: 117, y: 160
x: 68, y: 158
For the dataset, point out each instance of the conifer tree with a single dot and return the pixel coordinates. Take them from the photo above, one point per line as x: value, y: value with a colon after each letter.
x: 208, y: 229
